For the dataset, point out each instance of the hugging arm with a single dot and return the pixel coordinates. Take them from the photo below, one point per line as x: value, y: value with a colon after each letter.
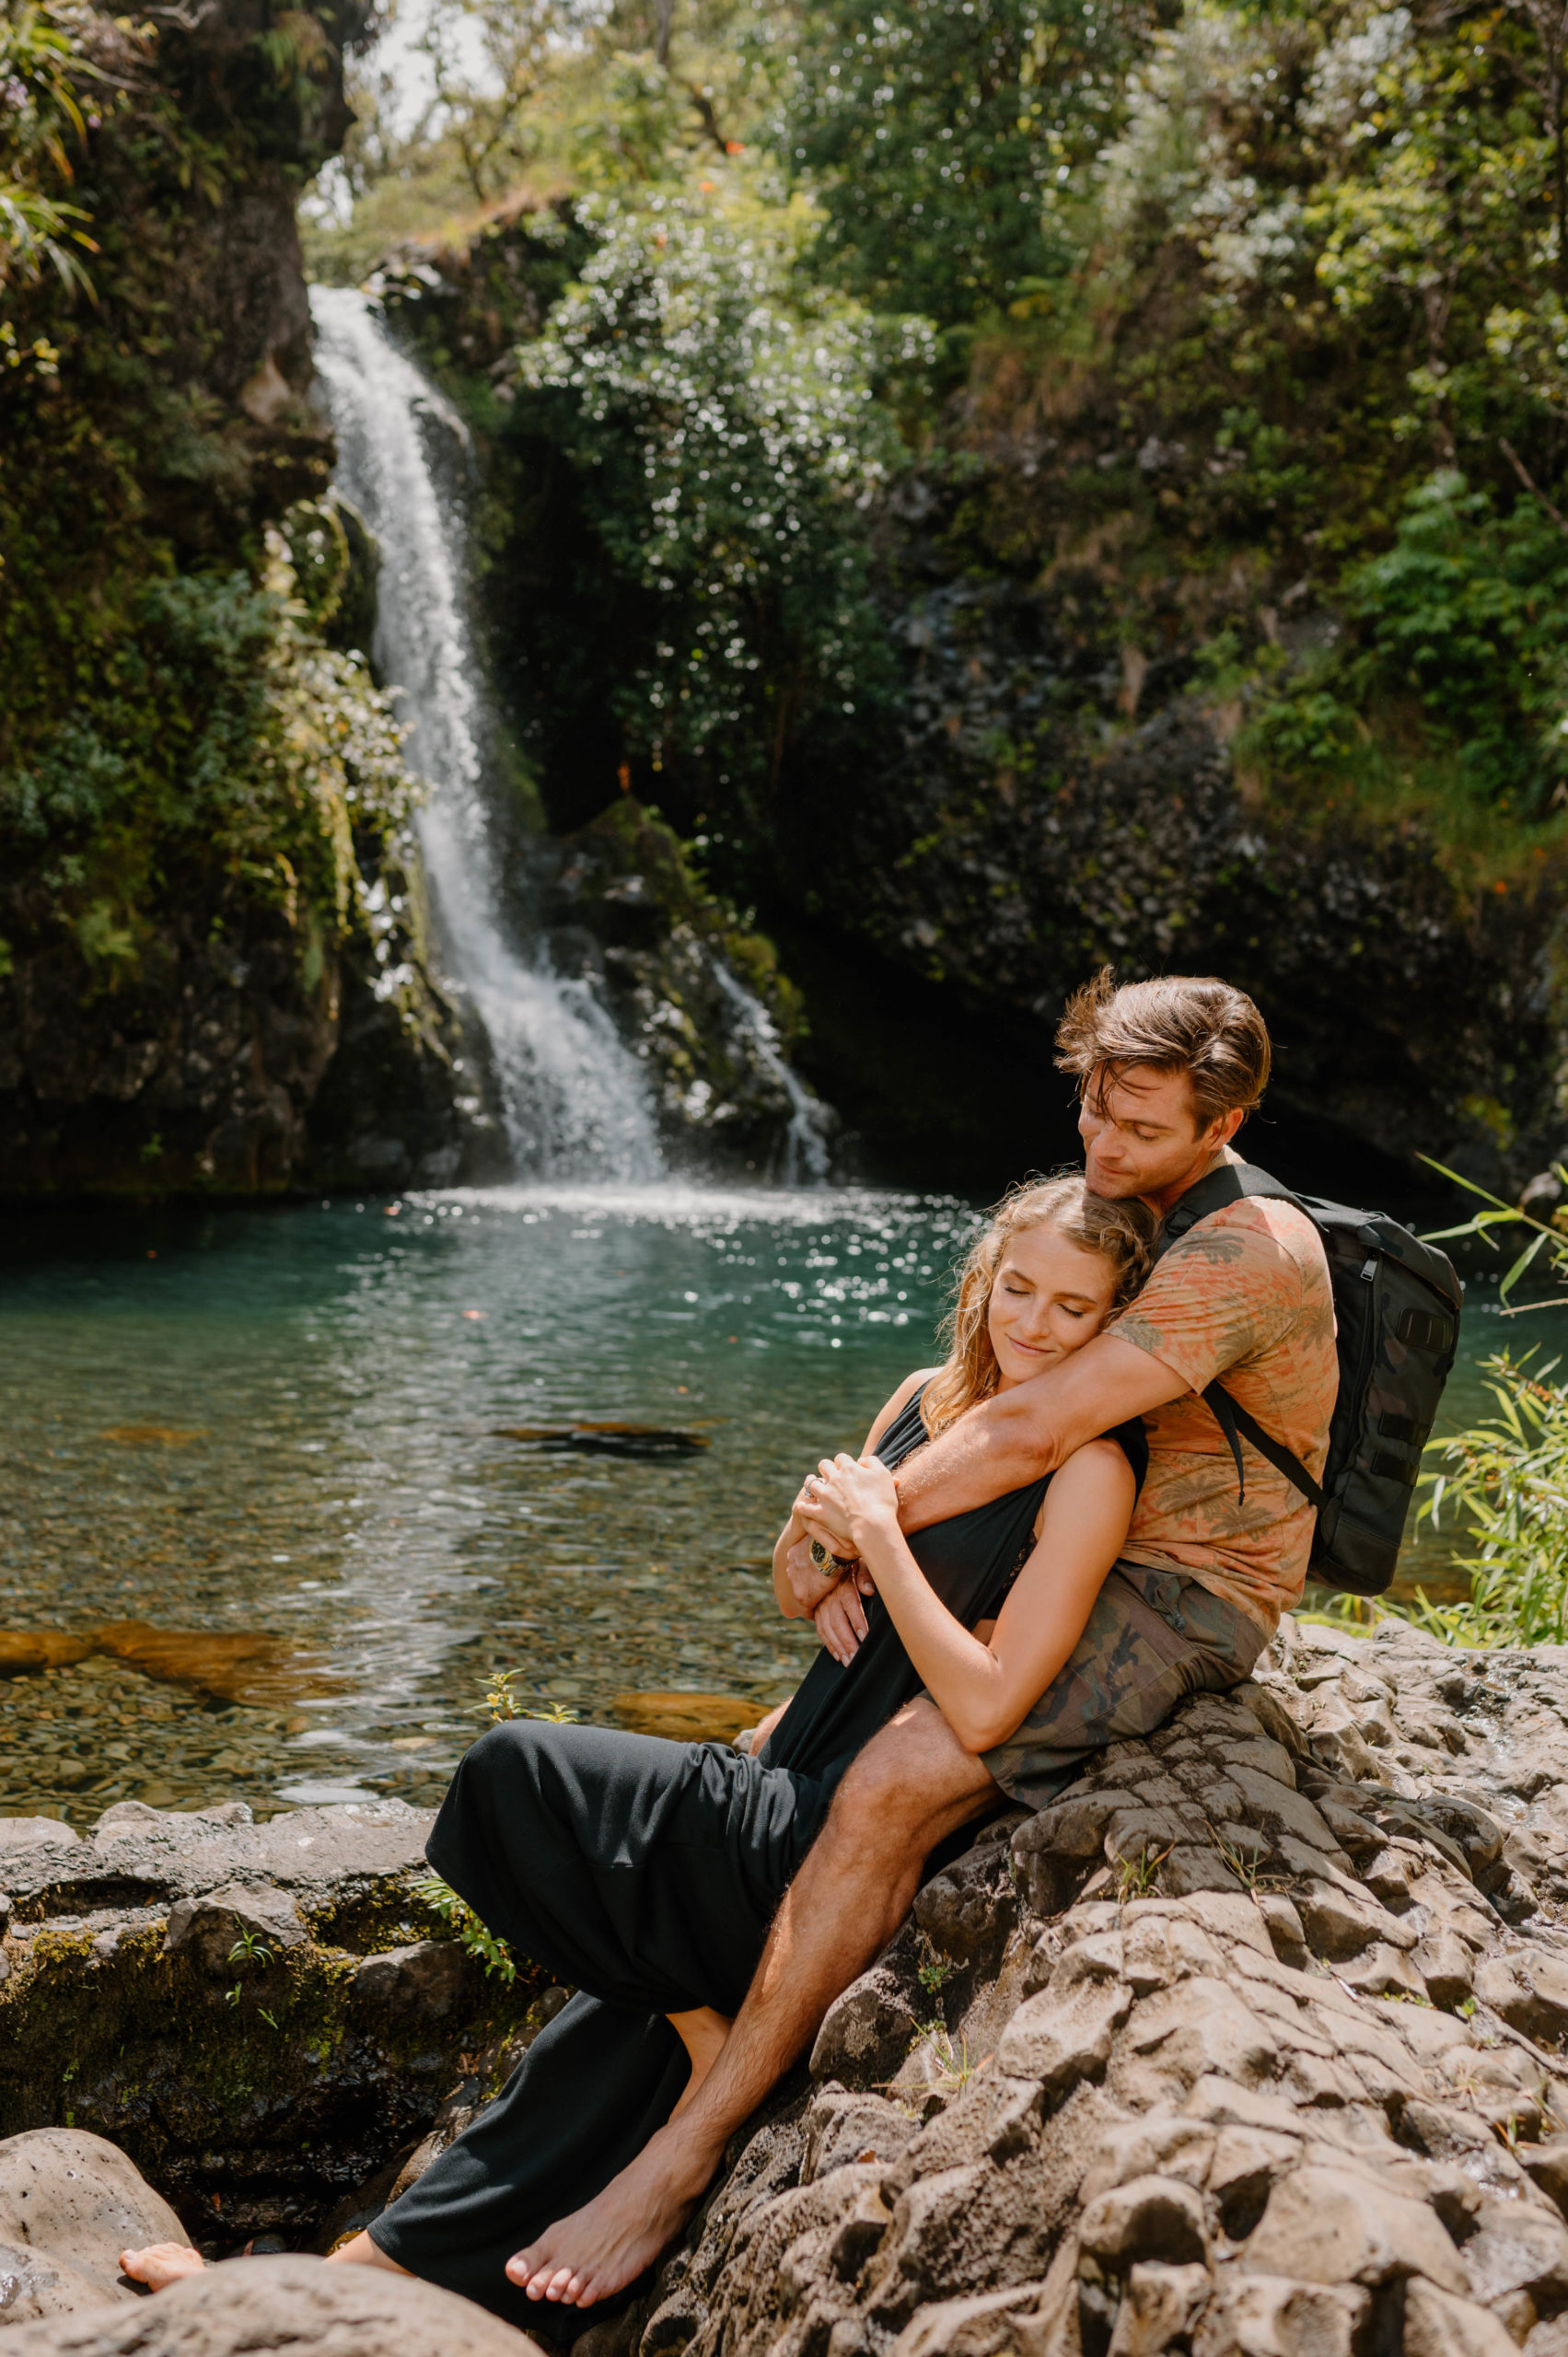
x: 984, y: 1686
x: 801, y: 1588
x: 1013, y: 1438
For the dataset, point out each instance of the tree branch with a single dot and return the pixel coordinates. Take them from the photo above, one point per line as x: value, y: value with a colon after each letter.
x: 1530, y: 484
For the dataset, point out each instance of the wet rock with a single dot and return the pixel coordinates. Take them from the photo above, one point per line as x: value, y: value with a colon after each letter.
x: 255, y: 2013
x: 264, y: 2307
x: 69, y: 2204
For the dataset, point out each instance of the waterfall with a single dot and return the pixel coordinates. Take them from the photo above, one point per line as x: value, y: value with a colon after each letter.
x: 576, y: 1102
x: 805, y: 1140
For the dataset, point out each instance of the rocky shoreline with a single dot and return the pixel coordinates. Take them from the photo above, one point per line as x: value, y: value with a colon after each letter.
x: 1254, y: 2041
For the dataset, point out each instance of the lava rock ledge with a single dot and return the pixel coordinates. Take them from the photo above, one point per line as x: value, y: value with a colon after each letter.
x: 1255, y: 2041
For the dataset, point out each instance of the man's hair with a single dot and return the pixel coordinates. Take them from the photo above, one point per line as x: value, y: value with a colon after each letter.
x: 1189, y: 1023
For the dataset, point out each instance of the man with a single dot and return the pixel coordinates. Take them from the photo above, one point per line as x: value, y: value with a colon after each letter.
x: 1168, y: 1071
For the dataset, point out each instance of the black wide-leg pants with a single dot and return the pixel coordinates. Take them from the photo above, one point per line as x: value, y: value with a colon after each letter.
x: 643, y: 1874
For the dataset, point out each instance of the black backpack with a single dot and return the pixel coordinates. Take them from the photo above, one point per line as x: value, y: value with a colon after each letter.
x: 1397, y: 1302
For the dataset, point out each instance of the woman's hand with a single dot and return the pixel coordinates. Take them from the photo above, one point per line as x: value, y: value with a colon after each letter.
x: 849, y: 1503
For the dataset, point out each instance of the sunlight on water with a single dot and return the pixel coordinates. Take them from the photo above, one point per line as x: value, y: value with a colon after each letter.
x: 288, y: 1438
x: 289, y: 1422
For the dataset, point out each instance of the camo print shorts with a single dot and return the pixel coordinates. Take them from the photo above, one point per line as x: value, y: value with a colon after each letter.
x: 1153, y: 1638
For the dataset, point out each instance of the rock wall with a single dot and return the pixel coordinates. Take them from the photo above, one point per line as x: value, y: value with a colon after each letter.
x: 1039, y: 803
x: 227, y: 1067
x: 699, y: 995
x: 257, y: 2014
x: 1254, y: 2042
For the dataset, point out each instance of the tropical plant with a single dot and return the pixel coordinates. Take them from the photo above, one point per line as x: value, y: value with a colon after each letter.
x: 1505, y: 1481
x: 950, y: 140
x: 719, y: 419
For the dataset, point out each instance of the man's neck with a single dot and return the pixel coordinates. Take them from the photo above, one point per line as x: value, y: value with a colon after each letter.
x: 1165, y: 1199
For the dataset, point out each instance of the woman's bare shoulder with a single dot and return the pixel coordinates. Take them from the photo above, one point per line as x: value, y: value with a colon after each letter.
x: 898, y: 1402
x: 1099, y: 1460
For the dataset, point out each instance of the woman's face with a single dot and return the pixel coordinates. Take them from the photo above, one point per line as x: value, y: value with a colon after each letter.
x: 1049, y: 1299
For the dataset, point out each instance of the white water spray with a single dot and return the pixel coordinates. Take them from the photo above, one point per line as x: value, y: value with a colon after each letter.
x: 805, y: 1140
x: 576, y: 1102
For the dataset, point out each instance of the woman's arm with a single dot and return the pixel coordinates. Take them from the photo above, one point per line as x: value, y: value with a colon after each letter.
x: 800, y: 1588
x: 983, y: 1690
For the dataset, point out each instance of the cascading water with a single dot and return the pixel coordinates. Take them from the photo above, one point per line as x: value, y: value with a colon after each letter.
x: 575, y: 1100
x: 805, y: 1140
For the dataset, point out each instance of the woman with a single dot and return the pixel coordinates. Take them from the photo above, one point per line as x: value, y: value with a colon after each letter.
x: 644, y: 1873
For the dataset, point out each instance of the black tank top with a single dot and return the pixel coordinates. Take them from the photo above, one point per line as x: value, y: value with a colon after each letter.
x: 971, y: 1561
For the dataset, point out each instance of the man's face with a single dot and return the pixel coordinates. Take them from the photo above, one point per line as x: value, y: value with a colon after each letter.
x: 1141, y: 1137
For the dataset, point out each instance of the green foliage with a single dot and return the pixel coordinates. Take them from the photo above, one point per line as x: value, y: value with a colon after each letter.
x: 952, y: 141
x: 1505, y: 1481
x: 44, y: 81
x: 463, y: 1925
x: 219, y: 738
x: 1463, y: 626
x: 719, y: 419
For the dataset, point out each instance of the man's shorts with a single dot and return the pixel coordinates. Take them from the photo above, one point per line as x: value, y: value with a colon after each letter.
x: 1152, y: 1638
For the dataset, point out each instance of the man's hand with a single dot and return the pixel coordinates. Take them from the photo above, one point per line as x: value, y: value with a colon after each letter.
x: 841, y: 1617
x: 809, y: 1583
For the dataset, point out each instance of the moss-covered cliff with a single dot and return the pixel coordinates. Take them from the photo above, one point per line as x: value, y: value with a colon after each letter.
x: 212, y: 962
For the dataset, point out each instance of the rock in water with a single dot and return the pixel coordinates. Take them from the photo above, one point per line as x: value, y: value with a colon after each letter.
x: 69, y: 2205
x: 283, y: 2307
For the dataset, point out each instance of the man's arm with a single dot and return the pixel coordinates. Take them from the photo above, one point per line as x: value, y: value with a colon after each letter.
x: 1010, y: 1441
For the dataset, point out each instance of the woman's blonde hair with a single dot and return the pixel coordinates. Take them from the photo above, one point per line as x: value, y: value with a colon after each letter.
x: 1122, y: 1234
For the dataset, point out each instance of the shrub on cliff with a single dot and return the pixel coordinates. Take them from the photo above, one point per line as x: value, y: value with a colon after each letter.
x: 719, y: 420
x: 952, y: 143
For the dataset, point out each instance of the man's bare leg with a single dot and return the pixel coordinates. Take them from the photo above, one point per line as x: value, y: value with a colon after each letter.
x: 911, y: 1786
x: 703, y: 2033
x: 164, y: 2263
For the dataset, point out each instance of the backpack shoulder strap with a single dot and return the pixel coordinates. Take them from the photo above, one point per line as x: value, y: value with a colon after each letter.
x: 1232, y: 1182
x: 1238, y: 1425
x: 1235, y: 1183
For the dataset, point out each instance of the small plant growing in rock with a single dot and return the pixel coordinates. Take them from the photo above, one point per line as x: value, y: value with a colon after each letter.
x: 935, y: 1969
x: 952, y: 2065
x: 465, y: 1925
x: 1137, y: 1875
x: 1249, y: 1871
x: 501, y: 1701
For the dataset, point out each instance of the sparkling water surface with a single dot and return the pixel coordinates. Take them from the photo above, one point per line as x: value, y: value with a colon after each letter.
x: 282, y: 1435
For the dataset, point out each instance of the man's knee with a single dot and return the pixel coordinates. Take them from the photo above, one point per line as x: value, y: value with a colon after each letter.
x: 913, y: 1771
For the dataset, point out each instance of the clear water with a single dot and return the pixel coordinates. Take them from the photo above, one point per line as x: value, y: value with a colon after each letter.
x: 289, y: 1426
x: 288, y: 1421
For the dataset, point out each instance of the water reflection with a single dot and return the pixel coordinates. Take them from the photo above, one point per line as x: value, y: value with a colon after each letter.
x: 301, y: 1426
x: 286, y: 1489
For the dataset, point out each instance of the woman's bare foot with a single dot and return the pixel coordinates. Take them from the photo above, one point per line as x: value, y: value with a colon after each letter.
x: 160, y: 2263
x: 703, y: 2033
x: 605, y: 2246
